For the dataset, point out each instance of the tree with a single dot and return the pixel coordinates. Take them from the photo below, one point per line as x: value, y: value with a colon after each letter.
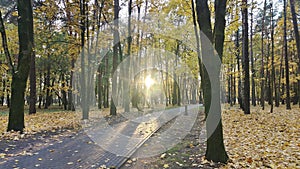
x: 215, y: 147
x: 253, y: 95
x: 32, y: 98
x: 4, y: 43
x: 197, y: 41
x: 262, y: 73
x: 246, y: 91
x: 20, y: 75
x: 126, y: 92
x: 237, y: 45
x: 113, y: 109
x: 273, y: 80
x: 84, y: 103
x: 297, y: 36
x: 287, y: 74
x: 9, y: 60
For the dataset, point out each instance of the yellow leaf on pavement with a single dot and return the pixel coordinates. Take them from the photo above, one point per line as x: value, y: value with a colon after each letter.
x: 166, y: 165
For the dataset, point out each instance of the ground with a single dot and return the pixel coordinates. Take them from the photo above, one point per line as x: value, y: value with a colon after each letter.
x: 187, y: 154
x: 259, y: 140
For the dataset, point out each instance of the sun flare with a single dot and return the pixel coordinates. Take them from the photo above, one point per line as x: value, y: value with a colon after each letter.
x: 149, y: 81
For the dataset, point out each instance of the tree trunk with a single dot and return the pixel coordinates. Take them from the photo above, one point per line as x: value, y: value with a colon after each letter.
x: 83, y: 93
x: 3, y: 91
x: 47, y: 81
x: 113, y: 109
x: 19, y: 79
x: 215, y: 147
x: 287, y: 74
x: 232, y: 84
x: 9, y: 60
x: 268, y: 84
x: 229, y: 86
x: 71, y: 105
x: 126, y: 91
x: 100, y: 92
x: 7, y: 95
x: 89, y: 84
x: 262, y: 73
x: 84, y: 104
x: 32, y: 98
x: 297, y: 36
x: 40, y: 89
x: 237, y: 45
x: 280, y: 75
x: 273, y: 79
x: 5, y: 44
x: 198, y: 45
x: 64, y: 93
x: 106, y: 83
x: 246, y: 91
x: 253, y: 98
x: 175, y: 92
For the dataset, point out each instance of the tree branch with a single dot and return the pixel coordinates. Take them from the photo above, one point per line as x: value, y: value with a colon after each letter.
x: 14, y: 8
x: 4, y: 44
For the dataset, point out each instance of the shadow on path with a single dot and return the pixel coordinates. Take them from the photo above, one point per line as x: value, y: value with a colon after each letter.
x: 67, y: 149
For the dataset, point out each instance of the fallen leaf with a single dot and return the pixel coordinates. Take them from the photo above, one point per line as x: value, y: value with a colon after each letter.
x: 2, y: 155
x: 166, y: 166
x: 249, y: 160
x: 163, y: 155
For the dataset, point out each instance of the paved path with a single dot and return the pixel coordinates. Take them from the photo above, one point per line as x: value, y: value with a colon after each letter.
x: 101, y: 144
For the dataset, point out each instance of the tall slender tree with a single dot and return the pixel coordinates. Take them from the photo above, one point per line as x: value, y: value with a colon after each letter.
x: 126, y: 91
x: 253, y: 95
x: 262, y: 73
x: 287, y: 73
x: 197, y: 43
x: 237, y: 46
x: 9, y: 60
x: 273, y: 83
x: 245, y: 63
x: 83, y: 89
x: 297, y: 37
x: 32, y: 98
x: 113, y: 109
x: 5, y: 46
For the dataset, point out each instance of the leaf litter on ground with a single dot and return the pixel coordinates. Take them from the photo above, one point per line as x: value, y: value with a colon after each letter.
x: 262, y: 139
x: 259, y: 140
